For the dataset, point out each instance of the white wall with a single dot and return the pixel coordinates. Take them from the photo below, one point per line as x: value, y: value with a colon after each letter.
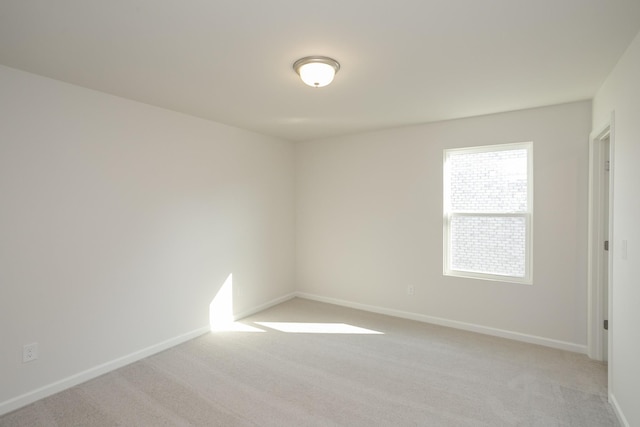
x: 621, y: 94
x: 120, y: 221
x: 369, y: 223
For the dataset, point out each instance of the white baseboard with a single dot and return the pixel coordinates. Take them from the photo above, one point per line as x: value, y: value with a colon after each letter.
x: 618, y: 411
x: 58, y: 386
x: 517, y: 336
x: 89, y: 374
x: 264, y: 306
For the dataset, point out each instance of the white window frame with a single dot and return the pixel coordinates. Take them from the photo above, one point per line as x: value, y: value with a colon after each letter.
x: 448, y: 214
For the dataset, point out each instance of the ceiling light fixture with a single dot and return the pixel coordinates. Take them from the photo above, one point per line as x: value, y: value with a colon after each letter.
x: 316, y: 71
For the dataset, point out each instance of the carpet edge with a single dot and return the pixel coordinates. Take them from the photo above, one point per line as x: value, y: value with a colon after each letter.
x: 471, y: 327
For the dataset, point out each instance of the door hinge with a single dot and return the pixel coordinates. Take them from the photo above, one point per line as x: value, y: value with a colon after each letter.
x: 606, y: 325
x: 607, y: 165
x: 606, y: 245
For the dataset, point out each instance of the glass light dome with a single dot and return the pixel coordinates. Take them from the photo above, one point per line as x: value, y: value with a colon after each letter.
x: 316, y: 71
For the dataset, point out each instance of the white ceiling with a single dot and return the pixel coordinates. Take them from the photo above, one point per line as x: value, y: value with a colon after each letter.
x: 403, y: 62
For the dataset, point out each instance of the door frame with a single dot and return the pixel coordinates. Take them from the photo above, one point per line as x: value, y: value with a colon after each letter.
x: 596, y: 256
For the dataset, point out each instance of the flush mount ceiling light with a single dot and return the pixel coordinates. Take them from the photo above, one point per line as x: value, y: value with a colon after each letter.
x: 316, y: 71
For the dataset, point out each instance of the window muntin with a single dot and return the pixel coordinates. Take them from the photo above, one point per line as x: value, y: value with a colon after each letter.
x: 488, y: 212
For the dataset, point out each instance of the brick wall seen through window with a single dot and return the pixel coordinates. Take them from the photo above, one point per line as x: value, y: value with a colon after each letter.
x: 487, y: 212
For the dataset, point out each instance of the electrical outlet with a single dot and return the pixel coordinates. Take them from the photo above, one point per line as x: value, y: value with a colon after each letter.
x: 411, y: 290
x: 29, y: 352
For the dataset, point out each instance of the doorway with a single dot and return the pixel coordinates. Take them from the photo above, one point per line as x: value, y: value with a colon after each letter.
x: 600, y: 234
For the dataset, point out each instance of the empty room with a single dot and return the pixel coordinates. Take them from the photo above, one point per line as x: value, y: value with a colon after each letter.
x: 278, y: 213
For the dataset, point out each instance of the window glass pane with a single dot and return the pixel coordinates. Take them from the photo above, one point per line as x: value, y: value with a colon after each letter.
x: 492, y: 245
x: 493, y: 181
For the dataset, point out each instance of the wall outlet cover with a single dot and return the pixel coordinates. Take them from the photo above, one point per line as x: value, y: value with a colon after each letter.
x: 29, y: 352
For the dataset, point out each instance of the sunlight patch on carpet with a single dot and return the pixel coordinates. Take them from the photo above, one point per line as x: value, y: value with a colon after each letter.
x: 317, y: 328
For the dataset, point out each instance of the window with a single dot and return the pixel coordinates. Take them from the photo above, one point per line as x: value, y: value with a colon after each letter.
x: 488, y: 209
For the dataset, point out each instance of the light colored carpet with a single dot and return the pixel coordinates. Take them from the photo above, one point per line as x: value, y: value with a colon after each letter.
x: 410, y: 374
